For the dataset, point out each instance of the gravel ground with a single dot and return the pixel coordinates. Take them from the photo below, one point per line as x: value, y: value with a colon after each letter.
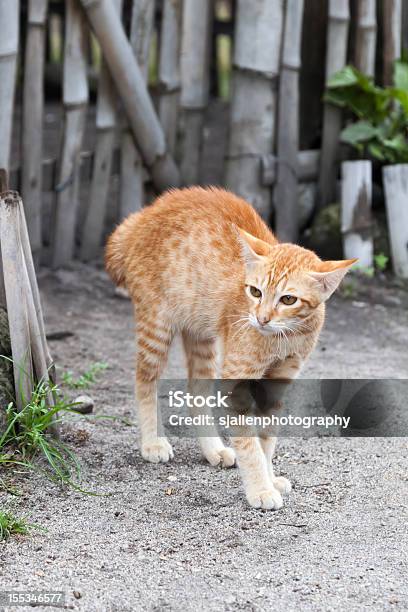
x: 181, y: 536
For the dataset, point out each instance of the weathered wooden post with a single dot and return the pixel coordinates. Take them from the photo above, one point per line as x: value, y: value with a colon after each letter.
x: 356, y: 221
x: 258, y: 34
x: 9, y: 20
x: 286, y: 191
x: 31, y: 358
x: 101, y: 177
x: 392, y: 20
x: 132, y: 193
x: 15, y: 296
x: 75, y: 93
x: 132, y: 89
x: 169, y: 70
x: 396, y: 198
x: 366, y: 36
x: 32, y: 128
x: 195, y: 56
x: 337, y: 39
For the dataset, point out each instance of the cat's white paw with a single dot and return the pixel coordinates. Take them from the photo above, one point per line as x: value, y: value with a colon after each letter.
x: 282, y: 484
x: 158, y: 450
x: 266, y: 499
x: 224, y: 457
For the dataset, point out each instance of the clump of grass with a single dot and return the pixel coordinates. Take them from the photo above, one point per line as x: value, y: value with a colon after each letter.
x: 27, y: 435
x: 12, y: 525
x: 85, y: 380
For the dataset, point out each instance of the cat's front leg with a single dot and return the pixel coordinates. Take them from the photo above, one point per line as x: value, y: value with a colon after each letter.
x: 259, y: 489
x: 284, y: 370
x: 251, y: 459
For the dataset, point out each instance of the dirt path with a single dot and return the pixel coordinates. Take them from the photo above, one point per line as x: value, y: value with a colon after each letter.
x: 180, y: 536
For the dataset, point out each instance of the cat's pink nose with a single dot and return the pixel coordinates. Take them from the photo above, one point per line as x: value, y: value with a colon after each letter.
x: 263, y: 319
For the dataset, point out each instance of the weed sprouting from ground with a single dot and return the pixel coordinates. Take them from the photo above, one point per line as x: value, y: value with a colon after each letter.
x: 29, y: 439
x: 28, y: 434
x: 85, y: 380
x: 12, y: 525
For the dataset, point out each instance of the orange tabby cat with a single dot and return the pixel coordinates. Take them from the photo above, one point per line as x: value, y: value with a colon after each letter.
x: 201, y: 262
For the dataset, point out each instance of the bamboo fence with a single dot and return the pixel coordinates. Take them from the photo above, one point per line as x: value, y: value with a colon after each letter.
x: 151, y: 135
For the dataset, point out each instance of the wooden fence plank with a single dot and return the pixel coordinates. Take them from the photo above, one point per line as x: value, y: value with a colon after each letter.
x: 356, y: 219
x: 9, y: 20
x: 195, y: 54
x: 12, y: 255
x: 258, y: 37
x: 106, y: 120
x: 366, y: 36
x: 396, y: 198
x: 392, y: 35
x: 32, y: 128
x: 132, y: 193
x: 286, y: 191
x: 337, y: 40
x: 130, y: 84
x: 169, y: 70
x: 75, y: 101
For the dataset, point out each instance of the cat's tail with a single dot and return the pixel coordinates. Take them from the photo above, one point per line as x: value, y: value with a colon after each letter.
x: 115, y: 256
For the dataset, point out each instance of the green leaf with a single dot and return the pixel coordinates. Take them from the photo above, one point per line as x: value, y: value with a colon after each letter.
x: 376, y: 151
x: 362, y: 131
x: 343, y: 78
x: 401, y: 75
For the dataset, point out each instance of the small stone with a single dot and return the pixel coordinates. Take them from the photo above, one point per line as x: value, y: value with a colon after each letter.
x: 84, y: 404
x: 77, y: 594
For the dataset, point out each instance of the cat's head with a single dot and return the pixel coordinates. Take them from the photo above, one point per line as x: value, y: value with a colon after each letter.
x: 286, y: 283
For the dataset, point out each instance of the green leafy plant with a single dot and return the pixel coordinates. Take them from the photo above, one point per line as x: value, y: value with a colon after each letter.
x: 85, y: 380
x: 381, y: 261
x: 381, y: 129
x: 11, y: 525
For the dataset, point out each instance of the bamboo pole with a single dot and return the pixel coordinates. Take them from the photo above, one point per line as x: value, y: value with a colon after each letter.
x: 33, y: 110
x: 75, y: 94
x: 396, y: 199
x: 392, y: 18
x: 9, y: 19
x: 356, y: 220
x: 101, y: 178
x: 405, y: 26
x: 129, y: 81
x: 169, y: 70
x: 258, y: 36
x: 286, y: 192
x: 337, y: 39
x: 132, y: 194
x: 12, y: 257
x: 32, y: 283
x: 195, y: 55
x: 307, y: 164
x: 4, y: 186
x: 366, y: 36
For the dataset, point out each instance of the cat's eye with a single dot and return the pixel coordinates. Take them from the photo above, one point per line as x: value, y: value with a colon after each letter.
x: 288, y: 300
x: 255, y: 292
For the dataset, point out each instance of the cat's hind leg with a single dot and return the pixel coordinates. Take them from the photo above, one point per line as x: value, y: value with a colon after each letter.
x: 154, y: 336
x: 201, y: 358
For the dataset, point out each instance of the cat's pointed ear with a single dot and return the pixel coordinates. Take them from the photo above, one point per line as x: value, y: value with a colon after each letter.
x: 252, y: 249
x: 330, y: 274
